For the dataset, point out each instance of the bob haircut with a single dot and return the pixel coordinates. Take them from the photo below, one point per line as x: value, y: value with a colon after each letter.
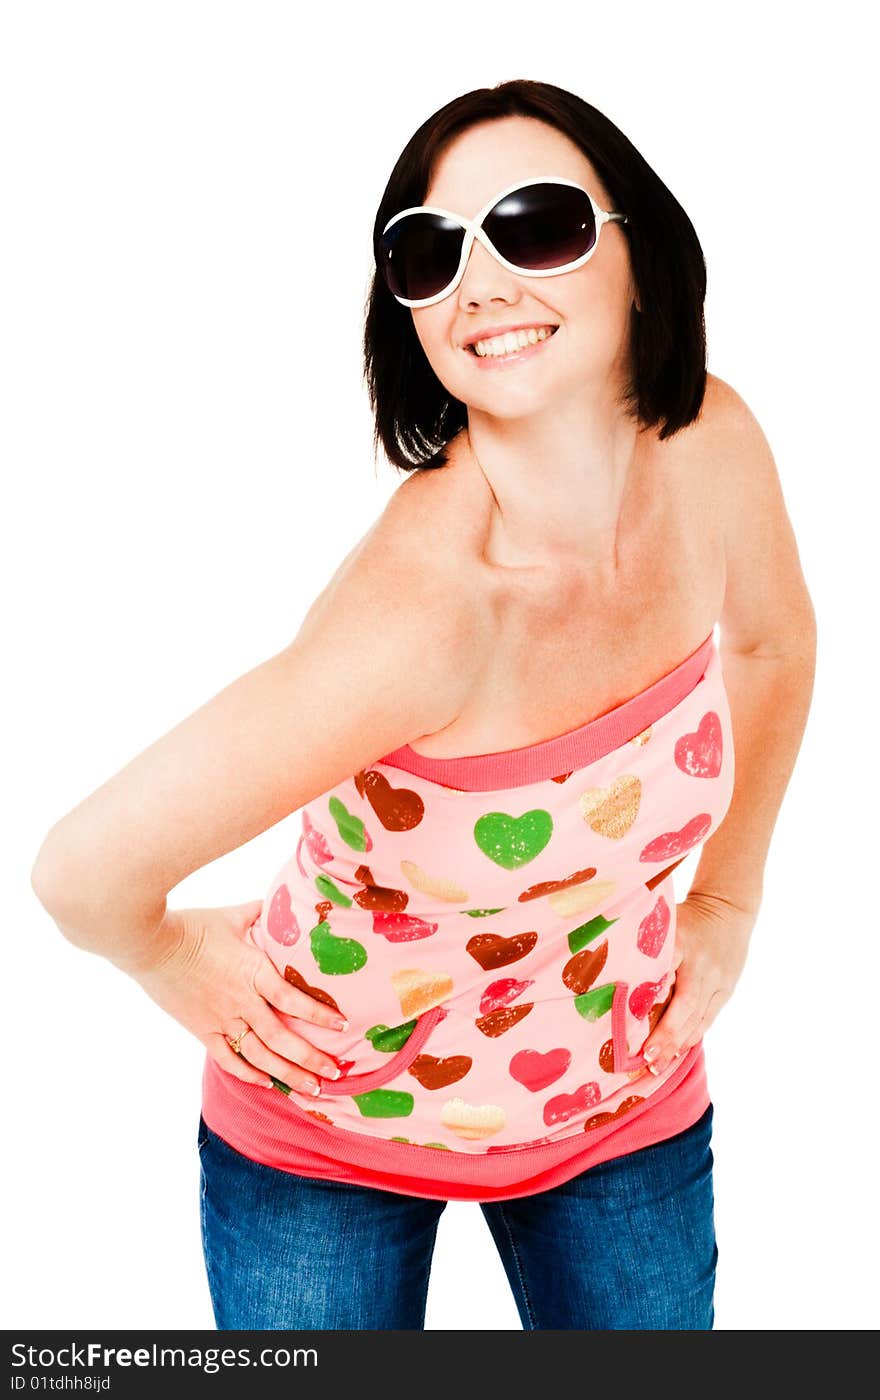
x: 414, y: 416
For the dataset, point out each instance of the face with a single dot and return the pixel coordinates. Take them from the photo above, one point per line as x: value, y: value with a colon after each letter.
x: 590, y: 306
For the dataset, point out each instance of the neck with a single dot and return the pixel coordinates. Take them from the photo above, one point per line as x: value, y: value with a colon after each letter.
x: 558, y: 481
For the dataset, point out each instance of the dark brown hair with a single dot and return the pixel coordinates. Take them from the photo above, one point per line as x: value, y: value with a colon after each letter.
x: 414, y: 415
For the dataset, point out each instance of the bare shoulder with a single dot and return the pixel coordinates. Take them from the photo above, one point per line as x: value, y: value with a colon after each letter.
x: 723, y: 458
x: 731, y: 428
x: 399, y: 610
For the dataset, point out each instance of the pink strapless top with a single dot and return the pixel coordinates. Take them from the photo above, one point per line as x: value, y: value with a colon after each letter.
x: 499, y: 932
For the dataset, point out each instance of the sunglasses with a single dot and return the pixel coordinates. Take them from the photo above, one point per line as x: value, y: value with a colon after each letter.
x: 537, y: 228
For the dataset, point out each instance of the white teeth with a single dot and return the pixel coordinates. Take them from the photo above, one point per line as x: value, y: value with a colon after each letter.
x: 512, y: 340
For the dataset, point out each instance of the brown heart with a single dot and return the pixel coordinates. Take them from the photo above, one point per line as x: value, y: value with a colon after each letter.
x: 378, y: 896
x: 661, y: 874
x: 598, y: 1119
x: 491, y: 950
x: 436, y: 1073
x: 581, y: 971
x: 497, y: 1022
x: 657, y: 1011
x: 398, y: 809
x: 553, y: 886
x: 296, y: 979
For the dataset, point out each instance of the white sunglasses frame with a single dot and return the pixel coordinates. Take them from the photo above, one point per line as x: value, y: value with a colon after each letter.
x: 473, y: 229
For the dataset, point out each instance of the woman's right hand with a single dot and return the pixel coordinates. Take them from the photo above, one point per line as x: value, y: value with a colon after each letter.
x: 214, y: 984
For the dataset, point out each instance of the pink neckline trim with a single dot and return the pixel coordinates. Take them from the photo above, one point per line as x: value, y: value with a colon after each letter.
x: 552, y: 758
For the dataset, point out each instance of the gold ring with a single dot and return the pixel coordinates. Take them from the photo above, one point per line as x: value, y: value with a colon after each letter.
x: 234, y: 1043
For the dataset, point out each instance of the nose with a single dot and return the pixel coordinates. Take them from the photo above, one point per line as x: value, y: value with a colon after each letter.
x: 485, y: 279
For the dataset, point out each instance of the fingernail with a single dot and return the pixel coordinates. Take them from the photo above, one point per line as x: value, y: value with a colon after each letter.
x: 331, y: 1071
x: 314, y: 1088
x: 339, y: 1025
x: 654, y: 1069
x: 652, y: 1052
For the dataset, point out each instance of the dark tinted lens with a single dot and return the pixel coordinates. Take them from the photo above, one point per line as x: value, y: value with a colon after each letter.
x: 542, y: 226
x: 419, y: 255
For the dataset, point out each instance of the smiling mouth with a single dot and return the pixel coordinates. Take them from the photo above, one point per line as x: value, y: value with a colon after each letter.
x: 549, y: 332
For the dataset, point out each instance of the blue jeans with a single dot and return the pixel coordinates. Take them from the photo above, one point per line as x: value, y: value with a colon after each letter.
x: 627, y: 1244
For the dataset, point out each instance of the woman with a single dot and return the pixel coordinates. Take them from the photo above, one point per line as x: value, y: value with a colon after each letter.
x: 472, y: 979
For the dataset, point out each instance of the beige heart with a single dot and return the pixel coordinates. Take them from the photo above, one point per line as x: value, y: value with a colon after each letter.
x: 469, y: 1120
x: 419, y: 990
x: 579, y: 898
x: 611, y: 811
x: 432, y: 884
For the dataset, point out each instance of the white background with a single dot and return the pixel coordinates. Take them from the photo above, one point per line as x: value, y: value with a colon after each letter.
x: 187, y: 457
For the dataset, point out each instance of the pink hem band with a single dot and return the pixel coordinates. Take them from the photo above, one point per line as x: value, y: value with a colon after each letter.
x: 248, y: 1119
x: 553, y: 757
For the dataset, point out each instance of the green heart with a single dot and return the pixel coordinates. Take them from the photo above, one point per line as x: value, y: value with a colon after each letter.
x: 331, y: 891
x: 335, y: 955
x: 597, y: 1002
x: 424, y: 1144
x: 585, y: 933
x: 387, y: 1038
x: 385, y: 1103
x: 350, y: 827
x: 513, y: 841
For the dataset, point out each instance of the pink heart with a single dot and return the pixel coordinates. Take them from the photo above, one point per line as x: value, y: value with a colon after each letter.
x: 654, y: 928
x: 674, y: 843
x: 315, y: 842
x: 564, y: 1106
x: 699, y: 752
x: 502, y: 992
x: 281, y: 921
x: 536, y: 1070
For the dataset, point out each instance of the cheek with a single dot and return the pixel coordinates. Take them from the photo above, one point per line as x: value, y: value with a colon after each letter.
x: 432, y: 328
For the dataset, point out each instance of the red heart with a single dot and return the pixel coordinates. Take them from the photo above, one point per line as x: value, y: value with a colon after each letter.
x: 699, y: 752
x: 654, y: 928
x: 501, y: 993
x: 536, y: 1070
x: 401, y: 928
x: 564, y: 1106
x: 642, y: 998
x: 674, y: 843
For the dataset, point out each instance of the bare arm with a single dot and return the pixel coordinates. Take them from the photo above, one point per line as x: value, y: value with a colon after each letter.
x: 768, y: 650
x: 380, y: 659
x: 768, y: 647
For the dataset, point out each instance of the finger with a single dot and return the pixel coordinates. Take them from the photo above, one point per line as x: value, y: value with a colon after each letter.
x: 280, y: 993
x: 219, y: 1048
x: 256, y: 1053
x: 696, y: 1033
x: 681, y: 1017
x: 286, y: 1044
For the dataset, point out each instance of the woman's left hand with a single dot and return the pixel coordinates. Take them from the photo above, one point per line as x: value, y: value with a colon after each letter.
x: 711, y: 942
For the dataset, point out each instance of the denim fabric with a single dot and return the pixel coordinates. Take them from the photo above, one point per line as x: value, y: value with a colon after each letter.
x: 628, y: 1244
